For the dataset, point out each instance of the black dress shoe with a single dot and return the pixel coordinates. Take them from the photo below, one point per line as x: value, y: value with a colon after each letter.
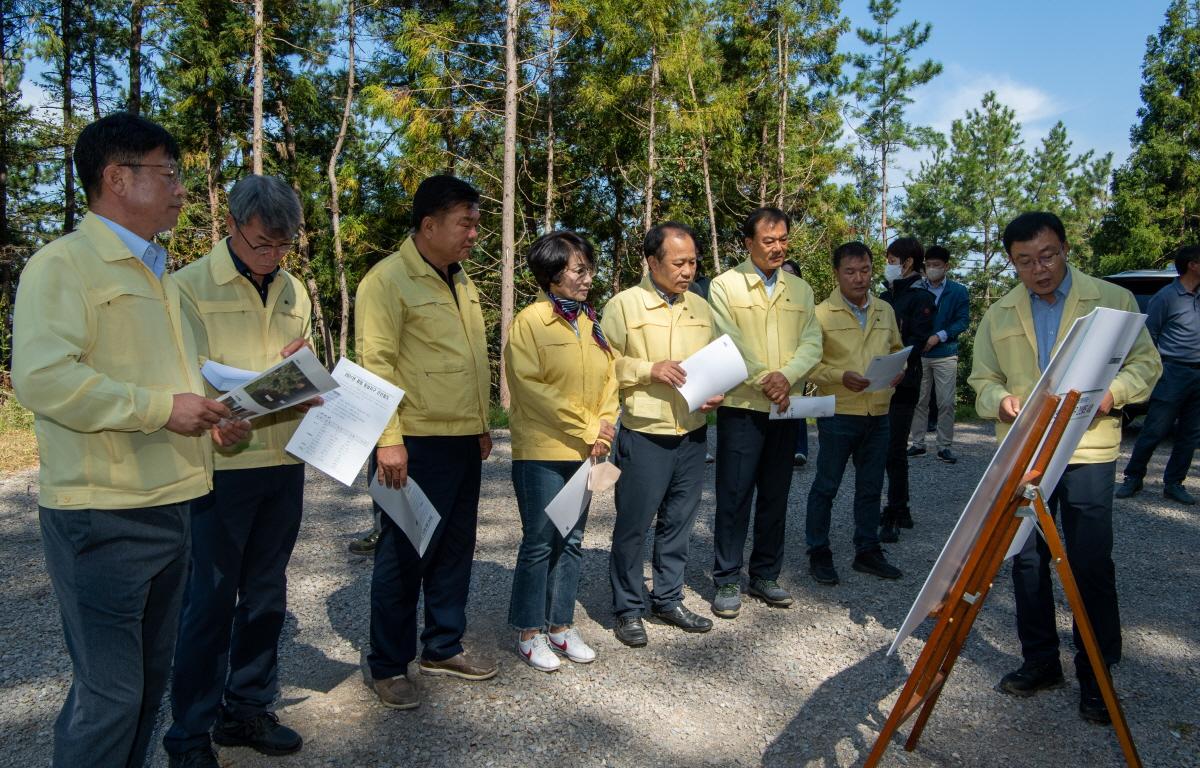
x: 681, y: 617
x: 262, y: 733
x: 1032, y: 677
x: 873, y: 562
x: 631, y: 631
x: 1091, y: 703
x: 820, y: 565
x: 202, y: 757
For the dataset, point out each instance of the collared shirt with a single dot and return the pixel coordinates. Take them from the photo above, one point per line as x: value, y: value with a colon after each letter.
x: 1046, y: 319
x: 153, y: 255
x: 245, y: 272
x: 669, y: 298
x: 768, y: 282
x: 447, y: 276
x: 860, y: 313
x: 1174, y: 322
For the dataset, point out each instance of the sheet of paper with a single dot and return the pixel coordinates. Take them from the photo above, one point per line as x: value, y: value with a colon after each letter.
x: 337, y: 437
x: 885, y: 368
x: 297, y: 378
x: 1087, y: 360
x: 568, y: 504
x: 804, y: 408
x: 225, y: 377
x: 712, y: 371
x: 410, y: 509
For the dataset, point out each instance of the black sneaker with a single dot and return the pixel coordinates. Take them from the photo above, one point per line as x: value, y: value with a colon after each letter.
x: 1128, y: 487
x: 202, y: 757
x: 1032, y: 677
x: 799, y: 459
x: 769, y: 592
x: 915, y: 450
x: 889, y: 531
x: 946, y: 456
x: 1091, y: 703
x: 365, y: 545
x: 820, y: 565
x: 873, y: 562
x: 262, y: 733
x: 904, y: 518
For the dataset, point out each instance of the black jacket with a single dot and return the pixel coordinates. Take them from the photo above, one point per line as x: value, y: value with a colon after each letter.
x: 916, y: 309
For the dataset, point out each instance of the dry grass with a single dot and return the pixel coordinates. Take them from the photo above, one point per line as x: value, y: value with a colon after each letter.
x: 18, y: 446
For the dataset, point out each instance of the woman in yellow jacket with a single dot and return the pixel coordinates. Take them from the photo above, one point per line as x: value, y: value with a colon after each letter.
x: 559, y: 369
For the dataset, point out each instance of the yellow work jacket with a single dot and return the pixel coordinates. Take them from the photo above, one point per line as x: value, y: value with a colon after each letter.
x: 410, y: 330
x: 99, y: 351
x: 644, y: 330
x: 847, y: 346
x: 1005, y: 360
x: 774, y: 333
x: 561, y: 384
x: 232, y: 326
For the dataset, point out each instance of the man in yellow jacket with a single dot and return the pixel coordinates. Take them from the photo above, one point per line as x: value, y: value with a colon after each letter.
x: 418, y: 324
x: 855, y: 327
x: 102, y: 357
x: 248, y: 313
x: 1015, y: 341
x: 768, y: 313
x: 660, y: 446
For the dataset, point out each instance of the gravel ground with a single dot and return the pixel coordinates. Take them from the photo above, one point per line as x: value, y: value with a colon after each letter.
x: 807, y: 686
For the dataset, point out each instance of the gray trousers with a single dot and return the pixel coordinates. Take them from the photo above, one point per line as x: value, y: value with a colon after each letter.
x: 662, y: 478
x: 119, y: 577
x: 939, y: 374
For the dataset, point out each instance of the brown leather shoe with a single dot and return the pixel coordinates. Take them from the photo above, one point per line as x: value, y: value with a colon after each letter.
x: 467, y: 667
x: 397, y: 693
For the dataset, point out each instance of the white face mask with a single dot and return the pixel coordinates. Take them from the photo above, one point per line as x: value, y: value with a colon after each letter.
x: 892, y: 272
x: 935, y: 274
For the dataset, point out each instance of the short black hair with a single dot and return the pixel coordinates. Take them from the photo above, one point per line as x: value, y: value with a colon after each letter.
x: 938, y: 252
x: 851, y: 250
x: 905, y: 248
x: 790, y: 265
x: 1029, y: 225
x: 652, y: 244
x: 550, y: 253
x: 117, y: 138
x: 1185, y: 255
x: 765, y: 213
x: 440, y: 193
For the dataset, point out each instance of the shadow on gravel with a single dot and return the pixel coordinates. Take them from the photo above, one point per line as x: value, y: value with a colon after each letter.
x: 312, y: 668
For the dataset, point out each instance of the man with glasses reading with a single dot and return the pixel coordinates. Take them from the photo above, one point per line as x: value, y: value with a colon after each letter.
x: 1014, y: 344
x: 247, y: 312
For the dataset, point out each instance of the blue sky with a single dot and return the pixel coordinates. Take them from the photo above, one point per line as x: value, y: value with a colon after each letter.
x: 1078, y: 61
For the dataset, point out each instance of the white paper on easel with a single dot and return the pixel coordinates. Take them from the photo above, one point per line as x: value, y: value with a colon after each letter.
x: 1087, y: 360
x: 410, y: 509
x: 804, y: 408
x: 883, y: 369
x: 565, y: 509
x: 713, y: 370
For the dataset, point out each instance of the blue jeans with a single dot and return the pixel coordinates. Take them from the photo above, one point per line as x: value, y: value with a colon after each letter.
x: 547, y: 574
x: 1176, y: 396
x: 840, y: 438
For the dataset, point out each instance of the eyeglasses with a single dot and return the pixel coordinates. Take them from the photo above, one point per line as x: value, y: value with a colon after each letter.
x: 266, y: 249
x: 580, y: 273
x: 1045, y: 261
x: 172, y: 171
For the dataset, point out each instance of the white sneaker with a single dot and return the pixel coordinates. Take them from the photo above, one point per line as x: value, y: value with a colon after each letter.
x: 537, y: 654
x: 571, y: 645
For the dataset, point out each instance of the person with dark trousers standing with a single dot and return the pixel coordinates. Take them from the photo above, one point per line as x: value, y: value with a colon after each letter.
x: 104, y: 360
x: 855, y: 327
x: 248, y: 313
x: 800, y: 456
x: 1016, y: 339
x: 915, y: 310
x: 939, y: 359
x: 660, y: 446
x: 419, y: 324
x: 1173, y: 320
x: 768, y: 314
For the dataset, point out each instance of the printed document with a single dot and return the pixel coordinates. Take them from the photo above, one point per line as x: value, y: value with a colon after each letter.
x: 803, y: 408
x: 297, y: 378
x: 410, y: 509
x: 568, y: 504
x: 884, y: 369
x: 712, y: 371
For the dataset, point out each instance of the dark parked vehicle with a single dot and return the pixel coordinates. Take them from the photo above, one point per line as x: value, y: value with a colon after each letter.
x: 1143, y: 284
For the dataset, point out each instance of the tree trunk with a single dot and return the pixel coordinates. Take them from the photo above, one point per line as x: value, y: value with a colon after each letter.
x: 135, y: 57
x: 256, y: 149
x: 764, y: 168
x: 708, y: 195
x: 548, y: 222
x: 508, y: 240
x: 335, y: 217
x: 651, y: 157
x: 781, y: 40
x: 93, y: 66
x: 213, y: 158
x: 618, y: 187
x: 68, y: 97
x: 883, y: 197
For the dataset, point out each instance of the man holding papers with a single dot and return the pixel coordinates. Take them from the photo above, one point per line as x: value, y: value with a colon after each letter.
x: 769, y: 315
x: 418, y: 325
x: 856, y: 326
x: 248, y: 313
x: 1017, y: 337
x: 103, y: 359
x: 660, y: 446
x: 564, y: 406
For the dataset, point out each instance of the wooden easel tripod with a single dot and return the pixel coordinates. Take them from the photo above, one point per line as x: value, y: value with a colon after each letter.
x: 1019, y: 497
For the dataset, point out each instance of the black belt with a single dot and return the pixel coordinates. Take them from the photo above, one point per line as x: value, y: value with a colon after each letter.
x: 1184, y: 363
